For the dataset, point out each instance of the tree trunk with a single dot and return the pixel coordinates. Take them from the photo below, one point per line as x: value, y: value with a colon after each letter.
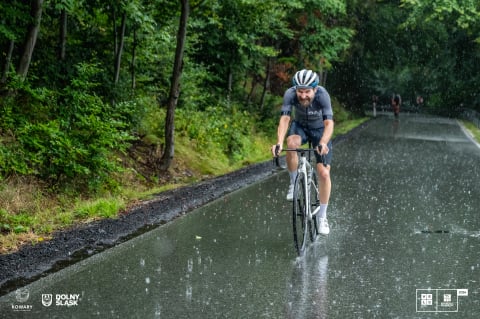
x: 8, y: 59
x: 252, y: 90
x: 115, y: 33
x: 63, y: 35
x: 167, y: 156
x: 119, y: 51
x: 31, y: 38
x: 134, y: 48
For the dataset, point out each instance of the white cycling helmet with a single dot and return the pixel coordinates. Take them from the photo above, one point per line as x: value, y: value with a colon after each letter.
x: 305, y: 79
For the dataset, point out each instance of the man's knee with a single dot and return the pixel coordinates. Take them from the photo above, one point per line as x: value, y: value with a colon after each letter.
x: 293, y: 142
x: 323, y: 173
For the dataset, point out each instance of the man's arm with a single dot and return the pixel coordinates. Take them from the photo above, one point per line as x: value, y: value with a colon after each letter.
x: 282, y: 128
x: 281, y: 132
x: 327, y: 135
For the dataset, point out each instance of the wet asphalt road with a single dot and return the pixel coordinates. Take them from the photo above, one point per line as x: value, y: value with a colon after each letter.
x: 404, y: 243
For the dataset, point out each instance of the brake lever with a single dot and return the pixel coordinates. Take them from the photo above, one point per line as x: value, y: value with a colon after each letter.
x: 276, y: 159
x: 323, y: 157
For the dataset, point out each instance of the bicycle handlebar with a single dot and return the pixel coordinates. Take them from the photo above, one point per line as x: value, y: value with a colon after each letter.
x: 298, y: 150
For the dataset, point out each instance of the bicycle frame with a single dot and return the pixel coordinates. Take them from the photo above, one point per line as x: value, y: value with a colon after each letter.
x: 304, y: 167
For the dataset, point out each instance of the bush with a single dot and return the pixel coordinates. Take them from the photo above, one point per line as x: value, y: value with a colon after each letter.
x: 216, y: 125
x: 75, y: 137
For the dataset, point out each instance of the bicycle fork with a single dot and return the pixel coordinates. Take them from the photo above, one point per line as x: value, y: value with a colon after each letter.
x: 308, y: 180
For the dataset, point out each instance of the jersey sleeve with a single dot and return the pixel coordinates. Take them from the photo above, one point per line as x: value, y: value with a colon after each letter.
x: 287, y: 105
x: 324, y: 99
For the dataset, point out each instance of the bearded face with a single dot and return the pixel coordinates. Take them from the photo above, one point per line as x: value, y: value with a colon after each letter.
x: 305, y: 96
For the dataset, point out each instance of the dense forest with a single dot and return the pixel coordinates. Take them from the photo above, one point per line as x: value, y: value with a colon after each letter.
x: 83, y: 82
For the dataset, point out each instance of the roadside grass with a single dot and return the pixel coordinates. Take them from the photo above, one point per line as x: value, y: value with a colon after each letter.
x: 473, y: 129
x: 29, y: 216
x: 24, y: 225
x: 347, y: 126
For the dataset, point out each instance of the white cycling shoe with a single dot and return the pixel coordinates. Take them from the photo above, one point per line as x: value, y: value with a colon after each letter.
x: 323, y: 227
x: 290, y: 192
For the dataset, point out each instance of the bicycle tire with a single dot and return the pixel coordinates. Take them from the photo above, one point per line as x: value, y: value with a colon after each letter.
x: 299, y: 217
x: 314, y: 203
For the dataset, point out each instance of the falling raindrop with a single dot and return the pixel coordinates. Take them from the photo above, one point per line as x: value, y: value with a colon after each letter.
x: 190, y: 265
x: 158, y: 311
x: 188, y: 293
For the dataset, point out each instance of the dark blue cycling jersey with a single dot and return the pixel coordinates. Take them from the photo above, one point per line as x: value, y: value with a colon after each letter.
x: 311, y: 117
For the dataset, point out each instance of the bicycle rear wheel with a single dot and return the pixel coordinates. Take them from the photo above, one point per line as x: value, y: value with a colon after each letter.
x: 314, y: 203
x: 299, y: 217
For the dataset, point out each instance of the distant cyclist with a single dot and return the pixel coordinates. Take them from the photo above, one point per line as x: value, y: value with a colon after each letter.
x: 310, y: 107
x: 396, y: 102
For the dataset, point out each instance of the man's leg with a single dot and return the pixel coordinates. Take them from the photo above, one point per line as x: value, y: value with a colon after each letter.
x: 325, y: 183
x: 325, y: 186
x: 293, y: 141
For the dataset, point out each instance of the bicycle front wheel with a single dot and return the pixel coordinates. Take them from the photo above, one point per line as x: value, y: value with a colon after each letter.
x: 299, y: 214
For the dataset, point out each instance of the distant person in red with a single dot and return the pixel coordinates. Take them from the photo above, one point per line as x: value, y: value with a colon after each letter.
x: 419, y: 101
x: 396, y: 102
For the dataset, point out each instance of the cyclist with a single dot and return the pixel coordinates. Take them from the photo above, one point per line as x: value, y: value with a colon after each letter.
x: 309, y: 105
x: 396, y: 102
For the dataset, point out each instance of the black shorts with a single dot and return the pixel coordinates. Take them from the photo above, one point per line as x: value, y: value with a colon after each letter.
x: 314, y: 136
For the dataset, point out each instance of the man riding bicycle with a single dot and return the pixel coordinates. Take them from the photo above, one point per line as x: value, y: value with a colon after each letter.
x: 309, y: 105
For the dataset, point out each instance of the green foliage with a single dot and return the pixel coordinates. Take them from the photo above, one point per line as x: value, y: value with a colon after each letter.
x: 463, y: 14
x: 68, y: 121
x: 237, y: 37
x: 14, y: 17
x: 321, y: 33
x: 17, y: 223
x: 339, y: 111
x: 74, y: 138
x: 100, y: 208
x: 415, y: 48
x: 453, y: 56
x: 222, y: 127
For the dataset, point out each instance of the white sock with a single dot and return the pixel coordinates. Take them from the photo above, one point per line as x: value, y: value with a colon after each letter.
x: 293, y: 176
x: 323, y: 211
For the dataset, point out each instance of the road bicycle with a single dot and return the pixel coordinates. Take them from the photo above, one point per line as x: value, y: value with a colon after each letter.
x: 306, y: 203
